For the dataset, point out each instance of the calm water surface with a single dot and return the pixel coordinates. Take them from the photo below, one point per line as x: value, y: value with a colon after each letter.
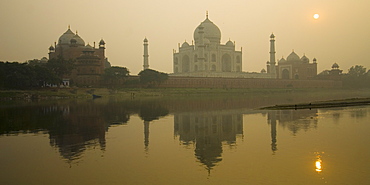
x: 182, y: 141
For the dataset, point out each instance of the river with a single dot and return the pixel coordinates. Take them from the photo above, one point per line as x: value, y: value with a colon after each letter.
x: 203, y: 140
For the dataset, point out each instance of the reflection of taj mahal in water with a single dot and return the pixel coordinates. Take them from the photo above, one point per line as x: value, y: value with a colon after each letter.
x: 293, y: 120
x: 208, y: 131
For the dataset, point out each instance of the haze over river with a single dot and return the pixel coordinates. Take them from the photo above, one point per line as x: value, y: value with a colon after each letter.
x: 204, y: 140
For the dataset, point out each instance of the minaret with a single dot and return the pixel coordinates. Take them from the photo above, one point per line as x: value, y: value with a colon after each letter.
x: 146, y: 55
x: 201, y: 47
x: 272, y: 56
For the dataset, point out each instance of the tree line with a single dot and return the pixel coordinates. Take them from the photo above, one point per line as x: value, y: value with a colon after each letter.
x: 36, y: 74
x: 357, y: 77
x: 27, y: 75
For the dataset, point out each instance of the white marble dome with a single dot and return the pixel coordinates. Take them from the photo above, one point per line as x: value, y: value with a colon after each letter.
x: 185, y: 44
x: 211, y: 32
x: 229, y: 43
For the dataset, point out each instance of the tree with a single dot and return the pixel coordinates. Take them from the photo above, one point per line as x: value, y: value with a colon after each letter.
x: 357, y: 71
x: 115, y: 75
x: 151, y: 77
x: 45, y: 76
x: 60, y: 66
x: 356, y: 77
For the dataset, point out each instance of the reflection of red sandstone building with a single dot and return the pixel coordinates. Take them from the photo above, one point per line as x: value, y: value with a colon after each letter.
x: 89, y: 61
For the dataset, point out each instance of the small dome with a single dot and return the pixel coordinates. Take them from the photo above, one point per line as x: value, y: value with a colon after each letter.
x: 145, y: 40
x: 66, y: 37
x: 272, y: 36
x: 314, y: 60
x: 211, y: 31
x: 185, y: 44
x: 293, y: 57
x: 282, y: 60
x: 268, y: 62
x: 79, y: 40
x: 51, y: 48
x: 305, y: 59
x: 88, y: 48
x: 229, y: 43
x: 335, y: 66
x: 101, y: 42
x: 263, y: 71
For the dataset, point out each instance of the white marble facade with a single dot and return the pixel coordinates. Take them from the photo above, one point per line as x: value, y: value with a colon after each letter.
x: 206, y: 55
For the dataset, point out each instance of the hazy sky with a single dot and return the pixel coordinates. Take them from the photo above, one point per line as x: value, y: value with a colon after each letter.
x: 341, y: 34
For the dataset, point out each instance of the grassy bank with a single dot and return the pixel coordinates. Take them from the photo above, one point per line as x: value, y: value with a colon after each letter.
x: 61, y: 93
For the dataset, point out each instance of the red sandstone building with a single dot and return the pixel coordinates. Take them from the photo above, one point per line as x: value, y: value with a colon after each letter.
x: 90, y: 61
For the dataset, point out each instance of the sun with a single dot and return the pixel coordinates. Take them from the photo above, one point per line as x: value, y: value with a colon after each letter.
x: 316, y: 16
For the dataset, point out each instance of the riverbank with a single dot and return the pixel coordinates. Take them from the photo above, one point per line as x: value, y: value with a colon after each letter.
x: 87, y: 93
x: 322, y: 104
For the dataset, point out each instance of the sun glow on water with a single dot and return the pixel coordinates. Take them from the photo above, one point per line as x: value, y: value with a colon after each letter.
x: 318, y: 163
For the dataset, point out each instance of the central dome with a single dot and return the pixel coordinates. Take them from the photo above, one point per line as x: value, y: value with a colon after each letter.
x: 211, y: 32
x: 66, y: 37
x: 293, y: 57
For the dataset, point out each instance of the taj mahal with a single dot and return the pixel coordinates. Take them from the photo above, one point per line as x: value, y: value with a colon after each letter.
x: 206, y: 56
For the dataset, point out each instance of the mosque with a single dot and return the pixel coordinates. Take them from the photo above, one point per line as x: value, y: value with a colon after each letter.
x: 90, y: 61
x: 207, y: 57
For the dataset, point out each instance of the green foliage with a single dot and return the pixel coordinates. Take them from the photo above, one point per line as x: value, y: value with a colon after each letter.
x: 14, y: 75
x: 116, y: 72
x: 17, y: 76
x: 60, y: 67
x: 357, y: 71
x: 151, y: 77
x: 44, y: 75
x: 115, y: 75
x: 357, y: 77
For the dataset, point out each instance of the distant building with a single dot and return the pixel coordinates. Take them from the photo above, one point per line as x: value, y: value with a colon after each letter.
x: 334, y: 74
x: 296, y: 68
x: 207, y: 56
x: 90, y: 61
x: 293, y: 67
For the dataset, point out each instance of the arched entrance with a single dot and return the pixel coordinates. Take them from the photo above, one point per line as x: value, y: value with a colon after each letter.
x: 226, y: 63
x: 185, y: 64
x: 285, y: 74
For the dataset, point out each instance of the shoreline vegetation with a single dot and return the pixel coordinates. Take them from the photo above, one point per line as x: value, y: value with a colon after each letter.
x: 317, y: 97
x: 63, y: 93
